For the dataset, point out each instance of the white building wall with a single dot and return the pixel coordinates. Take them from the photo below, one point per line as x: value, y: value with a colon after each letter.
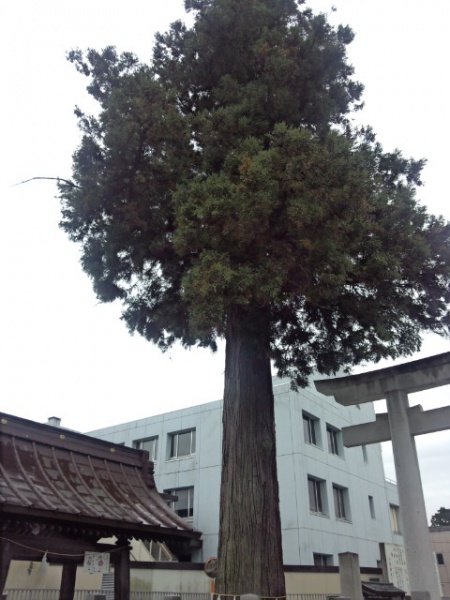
x: 304, y: 532
x: 359, y: 473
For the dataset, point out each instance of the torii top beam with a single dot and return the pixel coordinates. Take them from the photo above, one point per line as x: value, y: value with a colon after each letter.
x: 414, y: 376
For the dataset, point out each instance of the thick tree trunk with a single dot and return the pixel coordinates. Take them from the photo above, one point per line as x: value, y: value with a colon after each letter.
x: 250, y: 553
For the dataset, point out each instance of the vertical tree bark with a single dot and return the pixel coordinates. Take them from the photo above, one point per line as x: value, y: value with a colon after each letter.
x: 250, y: 552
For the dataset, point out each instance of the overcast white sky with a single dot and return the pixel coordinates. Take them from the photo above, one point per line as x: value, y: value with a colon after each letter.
x: 63, y: 353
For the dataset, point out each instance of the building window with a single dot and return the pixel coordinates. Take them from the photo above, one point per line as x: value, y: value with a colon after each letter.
x: 371, y: 507
x: 341, y: 504
x: 440, y: 558
x: 334, y: 441
x: 184, y: 504
x: 364, y: 453
x: 323, y: 560
x: 311, y: 429
x: 150, y: 444
x: 158, y: 551
x: 315, y: 491
x: 182, y: 443
x: 395, y: 518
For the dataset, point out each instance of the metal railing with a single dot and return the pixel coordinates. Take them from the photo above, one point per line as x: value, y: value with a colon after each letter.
x: 42, y: 594
x: 163, y: 595
x: 311, y: 596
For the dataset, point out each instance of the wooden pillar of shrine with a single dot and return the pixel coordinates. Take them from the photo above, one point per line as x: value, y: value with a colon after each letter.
x: 5, y: 559
x: 122, y: 571
x: 69, y: 575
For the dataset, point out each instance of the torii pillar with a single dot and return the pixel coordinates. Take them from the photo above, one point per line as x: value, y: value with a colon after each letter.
x: 401, y: 424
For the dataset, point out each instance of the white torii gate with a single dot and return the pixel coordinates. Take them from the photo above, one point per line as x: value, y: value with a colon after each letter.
x: 400, y: 424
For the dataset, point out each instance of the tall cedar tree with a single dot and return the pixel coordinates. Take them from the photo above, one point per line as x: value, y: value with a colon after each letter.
x: 221, y: 193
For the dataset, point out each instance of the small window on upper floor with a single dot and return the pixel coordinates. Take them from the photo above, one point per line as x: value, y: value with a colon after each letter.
x: 394, y: 512
x: 150, y: 444
x: 322, y: 560
x: 440, y: 558
x: 183, y: 502
x: 341, y: 503
x: 182, y: 443
x: 364, y: 453
x: 316, y: 493
x: 334, y: 440
x: 311, y: 429
x: 372, y: 507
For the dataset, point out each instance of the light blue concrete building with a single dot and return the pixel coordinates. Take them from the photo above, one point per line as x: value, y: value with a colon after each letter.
x: 332, y: 499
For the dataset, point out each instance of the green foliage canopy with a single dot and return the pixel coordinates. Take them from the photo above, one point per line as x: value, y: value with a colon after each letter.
x: 226, y: 173
x: 441, y: 518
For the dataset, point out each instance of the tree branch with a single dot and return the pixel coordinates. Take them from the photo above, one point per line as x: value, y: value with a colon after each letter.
x: 51, y: 178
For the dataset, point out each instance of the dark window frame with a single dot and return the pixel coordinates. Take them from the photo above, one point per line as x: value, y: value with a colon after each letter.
x: 341, y: 502
x: 140, y: 445
x: 316, y: 495
x: 310, y: 429
x: 333, y: 440
x: 186, y: 511
x: 174, y: 443
x: 322, y: 560
x: 394, y: 514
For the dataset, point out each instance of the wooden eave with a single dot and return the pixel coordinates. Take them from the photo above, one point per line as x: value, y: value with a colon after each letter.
x: 55, y: 477
x: 376, y: 590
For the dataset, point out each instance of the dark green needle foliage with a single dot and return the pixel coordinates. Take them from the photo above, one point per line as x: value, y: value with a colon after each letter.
x: 221, y: 192
x: 441, y: 518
